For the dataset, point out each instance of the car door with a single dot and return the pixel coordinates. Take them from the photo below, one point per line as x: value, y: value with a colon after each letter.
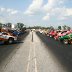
x: 70, y: 36
x: 3, y: 36
x: 0, y: 36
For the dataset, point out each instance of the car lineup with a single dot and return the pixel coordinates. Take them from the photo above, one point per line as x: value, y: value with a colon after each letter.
x: 10, y: 36
x: 64, y: 36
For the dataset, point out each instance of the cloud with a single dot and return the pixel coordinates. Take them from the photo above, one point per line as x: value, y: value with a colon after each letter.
x: 49, y: 5
x: 2, y: 20
x: 53, y: 4
x: 2, y: 9
x: 62, y: 13
x: 66, y: 13
x: 34, y: 7
x: 47, y: 17
x: 69, y: 11
x: 56, y: 9
x: 14, y: 12
x: 8, y: 14
x: 9, y: 10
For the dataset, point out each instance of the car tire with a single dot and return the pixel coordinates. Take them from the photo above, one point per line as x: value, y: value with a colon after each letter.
x: 55, y: 38
x: 50, y: 36
x: 10, y: 40
x: 65, y: 41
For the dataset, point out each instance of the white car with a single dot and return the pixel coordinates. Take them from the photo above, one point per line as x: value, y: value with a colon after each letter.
x: 7, y: 37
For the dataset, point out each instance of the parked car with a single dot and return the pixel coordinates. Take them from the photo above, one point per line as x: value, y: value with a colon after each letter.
x: 7, y: 38
x: 52, y: 33
x: 60, y: 34
x: 66, y: 39
x: 16, y: 33
x: 41, y: 31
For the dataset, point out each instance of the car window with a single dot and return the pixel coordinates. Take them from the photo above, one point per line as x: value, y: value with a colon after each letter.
x: 0, y: 33
x: 4, y: 33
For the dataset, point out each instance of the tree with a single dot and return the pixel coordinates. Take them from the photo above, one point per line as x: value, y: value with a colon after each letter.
x: 51, y: 27
x: 0, y: 25
x: 20, y: 25
x: 68, y: 28
x: 59, y: 27
x: 9, y: 25
x: 64, y: 27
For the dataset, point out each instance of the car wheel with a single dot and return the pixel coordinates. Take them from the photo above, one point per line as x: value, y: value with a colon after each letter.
x: 50, y: 36
x: 55, y: 38
x: 65, y: 41
x: 71, y: 42
x: 10, y: 40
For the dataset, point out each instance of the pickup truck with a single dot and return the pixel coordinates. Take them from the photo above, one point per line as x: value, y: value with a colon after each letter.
x: 7, y: 38
x: 66, y: 39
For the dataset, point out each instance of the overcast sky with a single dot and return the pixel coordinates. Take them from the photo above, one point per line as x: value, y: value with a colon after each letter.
x: 36, y: 12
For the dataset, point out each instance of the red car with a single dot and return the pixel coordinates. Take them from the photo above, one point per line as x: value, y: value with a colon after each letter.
x: 52, y: 33
x: 60, y: 34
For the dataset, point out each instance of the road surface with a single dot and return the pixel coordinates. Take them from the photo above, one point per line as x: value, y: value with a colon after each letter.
x: 35, y: 53
x: 63, y: 53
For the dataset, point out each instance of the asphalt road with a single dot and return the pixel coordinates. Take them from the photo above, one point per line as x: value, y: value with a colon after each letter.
x: 7, y: 51
x: 36, y: 53
x: 63, y: 53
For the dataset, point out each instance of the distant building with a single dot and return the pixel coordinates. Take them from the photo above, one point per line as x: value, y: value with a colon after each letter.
x: 13, y: 26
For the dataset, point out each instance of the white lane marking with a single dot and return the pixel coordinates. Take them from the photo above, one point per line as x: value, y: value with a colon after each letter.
x: 35, y: 60
x: 36, y: 65
x: 29, y: 56
x: 28, y: 60
x: 32, y: 46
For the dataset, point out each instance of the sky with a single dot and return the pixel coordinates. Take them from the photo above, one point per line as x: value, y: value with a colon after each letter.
x: 37, y: 12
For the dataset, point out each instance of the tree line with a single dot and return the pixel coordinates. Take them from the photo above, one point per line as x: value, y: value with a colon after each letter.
x: 21, y: 25
x: 65, y: 27
x: 9, y: 25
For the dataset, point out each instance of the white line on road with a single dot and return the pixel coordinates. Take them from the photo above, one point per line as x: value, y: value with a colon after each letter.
x: 35, y: 60
x: 32, y: 47
x: 28, y: 60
